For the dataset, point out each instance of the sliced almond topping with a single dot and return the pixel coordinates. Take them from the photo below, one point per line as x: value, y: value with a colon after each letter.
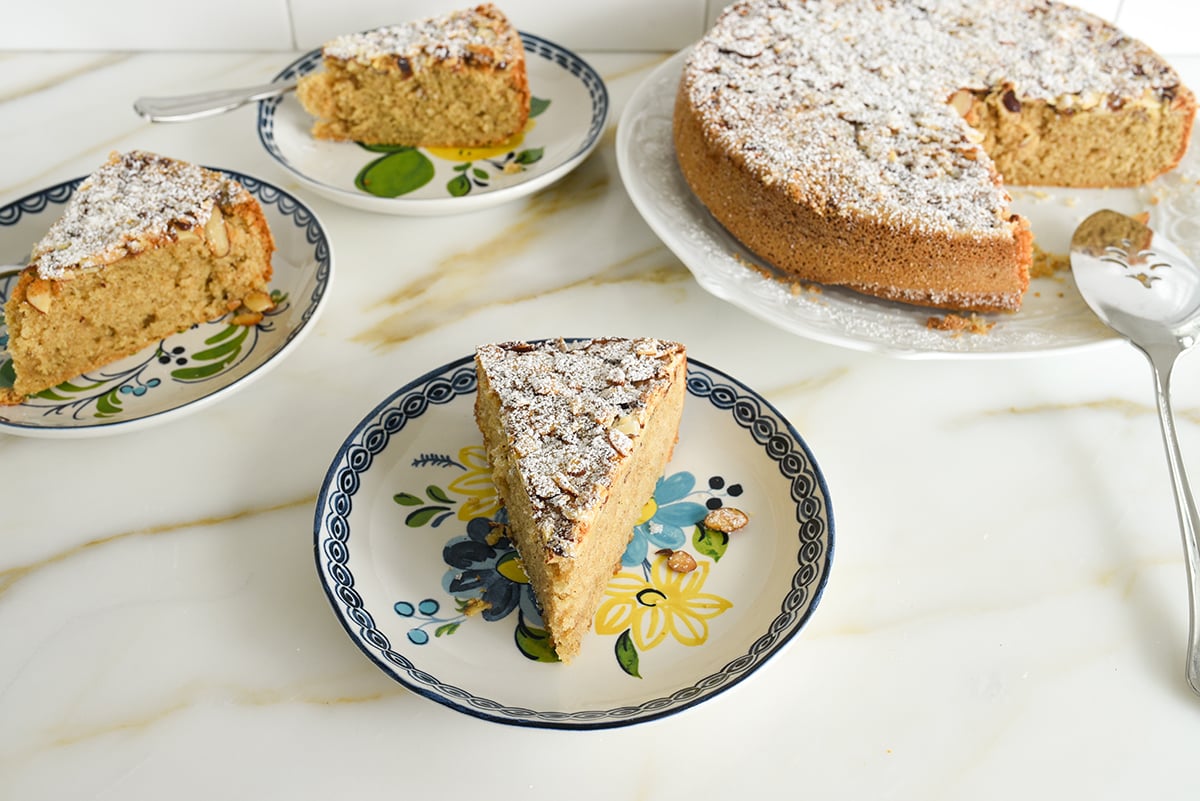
x: 681, y: 562
x: 40, y: 294
x: 217, y: 234
x: 620, y: 442
x: 247, y: 318
x: 564, y: 484
x: 726, y: 519
x: 961, y: 101
x: 628, y: 425
x: 257, y: 301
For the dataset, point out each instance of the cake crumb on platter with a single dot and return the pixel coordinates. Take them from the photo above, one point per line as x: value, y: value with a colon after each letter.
x: 971, y: 324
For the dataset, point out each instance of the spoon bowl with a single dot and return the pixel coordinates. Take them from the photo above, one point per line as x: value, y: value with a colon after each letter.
x: 1147, y: 290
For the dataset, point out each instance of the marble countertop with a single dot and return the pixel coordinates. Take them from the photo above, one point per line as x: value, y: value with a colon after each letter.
x: 1005, y: 616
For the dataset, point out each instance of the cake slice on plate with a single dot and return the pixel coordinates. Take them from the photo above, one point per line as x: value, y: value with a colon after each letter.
x: 577, y: 434
x: 147, y: 246
x: 455, y: 80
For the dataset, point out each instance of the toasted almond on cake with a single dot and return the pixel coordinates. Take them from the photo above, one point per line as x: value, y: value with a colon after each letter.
x: 40, y: 294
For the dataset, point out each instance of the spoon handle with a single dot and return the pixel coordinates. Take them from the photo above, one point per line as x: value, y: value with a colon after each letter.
x: 182, y: 108
x: 1189, y: 521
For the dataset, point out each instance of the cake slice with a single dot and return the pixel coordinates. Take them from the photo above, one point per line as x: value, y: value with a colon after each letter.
x: 455, y: 80
x: 146, y: 247
x: 577, y: 434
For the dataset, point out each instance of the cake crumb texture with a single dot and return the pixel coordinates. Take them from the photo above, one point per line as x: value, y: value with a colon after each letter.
x: 577, y: 434
x: 454, y: 80
x: 146, y: 247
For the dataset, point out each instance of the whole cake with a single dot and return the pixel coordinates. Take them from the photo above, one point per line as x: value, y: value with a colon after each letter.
x: 863, y: 143
x: 456, y: 80
x: 147, y: 246
x: 577, y: 434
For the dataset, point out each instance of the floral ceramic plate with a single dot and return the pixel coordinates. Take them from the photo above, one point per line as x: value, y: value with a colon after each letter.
x: 426, y: 589
x: 1054, y: 317
x: 567, y: 117
x: 183, y: 372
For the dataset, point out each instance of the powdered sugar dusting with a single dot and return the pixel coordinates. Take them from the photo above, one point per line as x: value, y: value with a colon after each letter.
x: 132, y: 201
x: 573, y: 410
x: 845, y: 101
x: 481, y: 35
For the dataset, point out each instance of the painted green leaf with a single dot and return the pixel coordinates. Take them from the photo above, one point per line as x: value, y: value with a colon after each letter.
x: 108, y: 404
x: 383, y: 148
x: 446, y: 628
x: 397, y: 173
x: 534, y: 643
x: 224, y: 333
x: 422, y: 516
x: 201, y: 371
x: 7, y: 375
x: 459, y: 185
x: 436, y: 493
x: 480, y: 174
x: 54, y: 393
x: 627, y: 655
x: 466, y: 165
x: 404, y: 499
x: 537, y: 105
x: 710, y: 542
x: 220, y: 351
x: 531, y: 155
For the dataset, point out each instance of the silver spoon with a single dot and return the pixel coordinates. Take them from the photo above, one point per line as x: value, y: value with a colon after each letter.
x: 1145, y: 288
x: 181, y: 108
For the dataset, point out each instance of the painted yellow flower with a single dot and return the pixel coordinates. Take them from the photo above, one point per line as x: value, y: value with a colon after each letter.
x: 476, y: 484
x: 668, y: 603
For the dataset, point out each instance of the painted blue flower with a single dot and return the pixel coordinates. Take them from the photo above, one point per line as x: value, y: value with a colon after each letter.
x: 665, y: 518
x: 489, y: 571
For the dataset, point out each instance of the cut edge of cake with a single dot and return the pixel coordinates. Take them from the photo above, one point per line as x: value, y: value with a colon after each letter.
x: 146, y: 247
x: 577, y: 434
x: 457, y: 79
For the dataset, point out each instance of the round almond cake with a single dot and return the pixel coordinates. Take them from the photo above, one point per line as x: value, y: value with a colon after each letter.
x: 866, y: 143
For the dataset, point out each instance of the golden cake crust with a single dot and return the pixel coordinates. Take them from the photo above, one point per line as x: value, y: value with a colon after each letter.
x: 146, y: 247
x: 455, y: 80
x: 850, y: 142
x: 577, y: 435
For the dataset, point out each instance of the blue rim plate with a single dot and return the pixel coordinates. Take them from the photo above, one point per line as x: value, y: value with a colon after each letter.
x: 569, y: 112
x: 412, y: 565
x: 187, y: 371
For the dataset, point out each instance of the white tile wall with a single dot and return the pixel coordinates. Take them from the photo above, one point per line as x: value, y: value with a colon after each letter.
x: 145, y: 25
x: 600, y: 25
x: 305, y: 24
x: 1169, y: 26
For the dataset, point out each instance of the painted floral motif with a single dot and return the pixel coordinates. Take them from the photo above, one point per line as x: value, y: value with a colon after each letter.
x: 102, y: 393
x: 475, y: 484
x: 484, y: 566
x: 402, y: 169
x: 672, y: 512
x: 644, y: 610
x: 643, y: 607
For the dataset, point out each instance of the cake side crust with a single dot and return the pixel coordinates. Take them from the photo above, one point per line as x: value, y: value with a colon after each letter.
x: 87, y: 318
x: 569, y: 583
x: 891, y: 128
x: 836, y: 247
